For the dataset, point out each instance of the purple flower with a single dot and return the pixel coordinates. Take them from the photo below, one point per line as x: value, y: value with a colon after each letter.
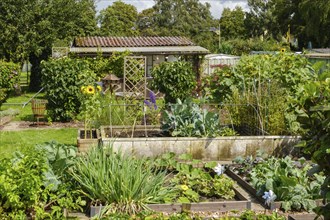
x: 147, y: 103
x: 152, y: 97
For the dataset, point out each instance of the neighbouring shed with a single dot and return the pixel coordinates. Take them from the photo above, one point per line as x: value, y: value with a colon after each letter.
x: 213, y: 61
x: 319, y: 54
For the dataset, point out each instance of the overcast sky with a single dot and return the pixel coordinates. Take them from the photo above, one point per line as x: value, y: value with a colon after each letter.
x: 216, y: 5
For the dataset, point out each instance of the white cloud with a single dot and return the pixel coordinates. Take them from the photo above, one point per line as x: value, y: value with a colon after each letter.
x: 217, y: 6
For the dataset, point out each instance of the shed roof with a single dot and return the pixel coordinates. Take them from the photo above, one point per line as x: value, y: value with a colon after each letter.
x: 140, y: 45
x: 131, y: 41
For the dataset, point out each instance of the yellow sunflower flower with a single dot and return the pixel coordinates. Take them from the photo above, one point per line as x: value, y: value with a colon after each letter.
x: 90, y: 90
x: 184, y: 187
x: 98, y: 88
x: 282, y: 50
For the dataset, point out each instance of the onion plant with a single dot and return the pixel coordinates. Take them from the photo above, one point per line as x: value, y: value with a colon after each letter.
x: 123, y: 183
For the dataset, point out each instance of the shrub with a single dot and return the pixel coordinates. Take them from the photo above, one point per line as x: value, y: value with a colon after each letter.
x: 240, y: 47
x: 106, y: 65
x: 29, y: 188
x: 62, y: 80
x: 175, y: 79
x: 314, y: 114
x: 121, y: 182
x: 9, y: 79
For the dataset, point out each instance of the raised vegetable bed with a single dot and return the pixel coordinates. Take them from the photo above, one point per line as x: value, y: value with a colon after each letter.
x: 219, y: 148
x: 241, y: 203
x: 251, y: 189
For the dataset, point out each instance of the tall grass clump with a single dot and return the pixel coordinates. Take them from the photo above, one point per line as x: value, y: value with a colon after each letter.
x: 119, y: 181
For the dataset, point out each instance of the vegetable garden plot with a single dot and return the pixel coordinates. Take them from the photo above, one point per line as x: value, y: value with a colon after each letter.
x: 279, y: 183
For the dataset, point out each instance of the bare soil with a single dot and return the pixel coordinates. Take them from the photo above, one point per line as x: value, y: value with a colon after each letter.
x: 24, y: 125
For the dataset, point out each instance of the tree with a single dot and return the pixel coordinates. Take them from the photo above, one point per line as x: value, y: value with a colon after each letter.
x: 317, y: 17
x: 307, y: 20
x: 146, y: 22
x: 261, y: 20
x: 188, y: 18
x: 119, y: 19
x: 30, y: 28
x: 232, y: 23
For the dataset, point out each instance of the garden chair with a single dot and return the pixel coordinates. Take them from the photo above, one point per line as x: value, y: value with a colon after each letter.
x: 38, y: 109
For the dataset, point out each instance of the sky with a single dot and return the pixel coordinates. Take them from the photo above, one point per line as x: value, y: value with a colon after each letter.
x: 217, y: 6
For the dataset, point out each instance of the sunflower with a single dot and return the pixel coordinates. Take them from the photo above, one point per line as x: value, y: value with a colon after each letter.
x: 90, y: 90
x: 98, y: 88
x: 282, y: 50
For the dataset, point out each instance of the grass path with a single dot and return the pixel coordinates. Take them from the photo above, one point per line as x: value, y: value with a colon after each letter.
x: 11, y: 141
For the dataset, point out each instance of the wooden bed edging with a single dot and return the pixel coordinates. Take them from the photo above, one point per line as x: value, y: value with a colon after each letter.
x: 222, y: 206
x: 248, y: 187
x: 305, y: 216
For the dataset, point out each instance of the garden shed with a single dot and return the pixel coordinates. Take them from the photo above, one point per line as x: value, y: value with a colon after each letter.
x: 155, y: 49
x: 213, y: 61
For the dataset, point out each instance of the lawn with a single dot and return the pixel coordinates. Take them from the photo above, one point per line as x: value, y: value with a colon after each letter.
x: 23, y: 104
x: 11, y: 141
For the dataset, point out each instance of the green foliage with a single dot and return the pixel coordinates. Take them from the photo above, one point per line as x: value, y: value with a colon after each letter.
x: 62, y: 81
x: 193, y: 183
x: 189, y: 18
x: 28, y: 188
x: 232, y: 23
x: 313, y: 113
x: 30, y: 34
x: 174, y: 79
x: 118, y: 20
x: 290, y: 181
x: 121, y: 182
x: 60, y: 156
x: 187, y: 119
x: 276, y: 18
x: 9, y: 79
x: 263, y: 85
x: 91, y: 107
x: 241, y: 47
x: 252, y: 215
x: 107, y: 65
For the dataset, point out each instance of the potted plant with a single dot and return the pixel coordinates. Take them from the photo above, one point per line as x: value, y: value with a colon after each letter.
x: 90, y: 109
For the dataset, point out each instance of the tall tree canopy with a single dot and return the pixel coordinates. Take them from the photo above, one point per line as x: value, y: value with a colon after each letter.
x: 119, y: 19
x: 188, y: 18
x: 308, y: 20
x: 232, y: 23
x: 317, y: 17
x: 261, y: 19
x: 30, y: 28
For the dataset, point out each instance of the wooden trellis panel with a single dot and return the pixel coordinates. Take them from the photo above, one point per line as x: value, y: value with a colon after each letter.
x: 135, y: 84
